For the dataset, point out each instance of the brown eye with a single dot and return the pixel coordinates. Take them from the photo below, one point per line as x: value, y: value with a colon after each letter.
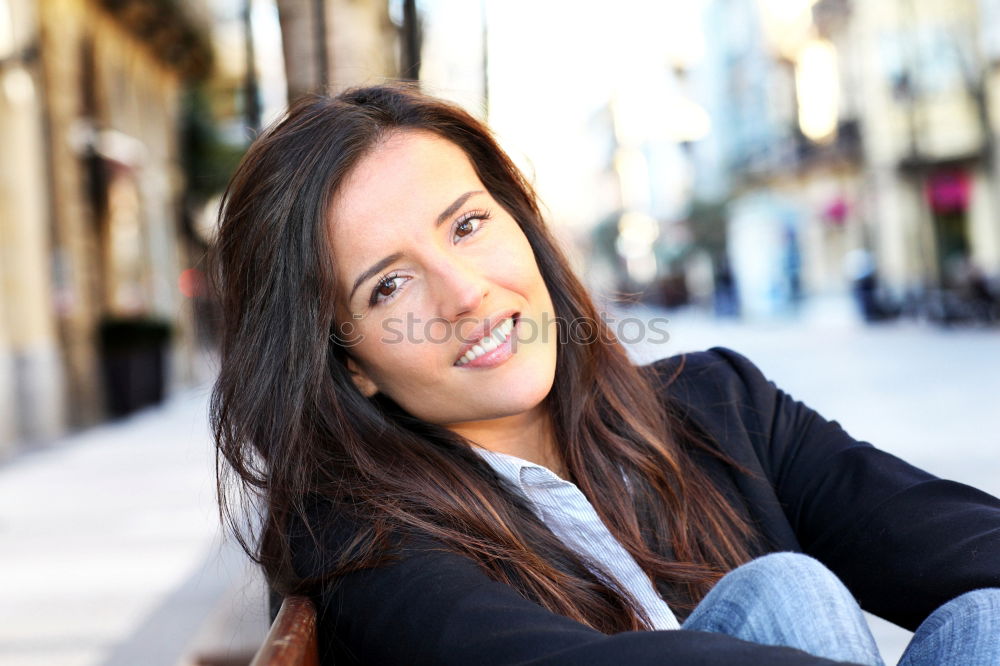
x: 470, y: 224
x: 387, y: 286
x: 386, y: 289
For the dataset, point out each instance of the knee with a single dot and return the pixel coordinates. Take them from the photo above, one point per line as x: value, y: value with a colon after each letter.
x: 787, y: 599
x: 984, y: 600
x: 792, y: 577
x: 962, y: 630
x: 785, y: 568
x: 785, y: 562
x: 977, y: 608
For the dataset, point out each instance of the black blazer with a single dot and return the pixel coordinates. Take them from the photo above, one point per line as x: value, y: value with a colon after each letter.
x: 903, y: 541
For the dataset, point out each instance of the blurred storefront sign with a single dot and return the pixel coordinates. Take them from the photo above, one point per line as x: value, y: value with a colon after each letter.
x: 836, y: 210
x: 948, y: 191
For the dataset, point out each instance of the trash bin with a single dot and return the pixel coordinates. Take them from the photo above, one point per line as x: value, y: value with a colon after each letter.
x: 133, y: 356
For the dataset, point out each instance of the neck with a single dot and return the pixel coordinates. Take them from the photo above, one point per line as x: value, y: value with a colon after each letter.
x: 527, y: 435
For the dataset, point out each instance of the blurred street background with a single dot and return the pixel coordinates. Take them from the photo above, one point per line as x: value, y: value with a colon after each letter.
x: 813, y: 183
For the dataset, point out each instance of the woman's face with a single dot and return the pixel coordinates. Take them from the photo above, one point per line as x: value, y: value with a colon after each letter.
x: 428, y: 265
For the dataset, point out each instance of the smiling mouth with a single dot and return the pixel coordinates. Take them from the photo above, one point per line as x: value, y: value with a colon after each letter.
x: 497, y: 337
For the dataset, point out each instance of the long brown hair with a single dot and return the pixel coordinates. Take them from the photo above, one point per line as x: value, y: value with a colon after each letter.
x: 290, y: 424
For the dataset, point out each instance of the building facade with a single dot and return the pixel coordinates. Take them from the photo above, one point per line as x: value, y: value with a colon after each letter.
x: 845, y: 129
x: 90, y: 118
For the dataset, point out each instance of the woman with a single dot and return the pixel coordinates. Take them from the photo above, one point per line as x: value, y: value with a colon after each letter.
x: 457, y: 461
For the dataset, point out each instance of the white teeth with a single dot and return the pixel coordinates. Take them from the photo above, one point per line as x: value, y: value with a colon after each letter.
x: 489, y: 342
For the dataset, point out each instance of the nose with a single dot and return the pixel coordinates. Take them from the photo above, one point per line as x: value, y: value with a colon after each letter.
x: 459, y: 287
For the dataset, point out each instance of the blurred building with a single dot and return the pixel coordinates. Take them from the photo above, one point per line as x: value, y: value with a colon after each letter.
x: 90, y: 102
x: 784, y: 157
x: 844, y: 129
x: 930, y: 146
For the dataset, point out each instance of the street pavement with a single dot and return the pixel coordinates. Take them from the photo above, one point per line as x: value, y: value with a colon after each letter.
x: 111, y: 551
x: 111, y: 554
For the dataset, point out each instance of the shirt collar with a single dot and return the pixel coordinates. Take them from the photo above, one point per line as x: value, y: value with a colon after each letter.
x: 518, y: 471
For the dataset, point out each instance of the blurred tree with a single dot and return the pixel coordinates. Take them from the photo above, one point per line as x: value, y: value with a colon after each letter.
x: 206, y: 158
x: 411, y: 38
x: 303, y: 39
x: 708, y: 224
x: 333, y: 44
x: 709, y: 227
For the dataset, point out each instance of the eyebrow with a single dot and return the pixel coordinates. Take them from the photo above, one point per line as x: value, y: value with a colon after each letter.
x: 380, y: 265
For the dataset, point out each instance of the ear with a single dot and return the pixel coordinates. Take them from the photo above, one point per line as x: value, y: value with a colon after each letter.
x: 361, y: 379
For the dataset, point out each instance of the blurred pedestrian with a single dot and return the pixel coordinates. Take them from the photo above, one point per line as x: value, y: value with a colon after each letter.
x: 860, y: 268
x: 726, y: 295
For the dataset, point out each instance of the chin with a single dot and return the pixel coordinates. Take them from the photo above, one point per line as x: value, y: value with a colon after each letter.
x: 507, y: 402
x: 528, y: 396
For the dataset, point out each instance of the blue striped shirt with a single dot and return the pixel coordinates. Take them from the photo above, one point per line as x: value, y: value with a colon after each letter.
x: 565, y: 510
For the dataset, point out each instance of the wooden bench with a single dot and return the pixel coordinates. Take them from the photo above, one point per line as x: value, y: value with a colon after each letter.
x: 292, y: 638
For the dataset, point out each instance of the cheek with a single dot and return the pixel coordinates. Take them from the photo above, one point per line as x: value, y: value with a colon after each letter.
x: 394, y: 352
x: 513, y: 263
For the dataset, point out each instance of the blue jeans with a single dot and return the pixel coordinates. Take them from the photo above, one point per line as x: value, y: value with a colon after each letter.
x: 793, y: 600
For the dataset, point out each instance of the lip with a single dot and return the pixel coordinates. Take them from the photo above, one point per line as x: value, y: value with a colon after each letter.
x: 480, y: 332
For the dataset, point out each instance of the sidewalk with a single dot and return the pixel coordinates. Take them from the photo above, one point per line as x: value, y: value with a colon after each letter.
x: 112, y: 552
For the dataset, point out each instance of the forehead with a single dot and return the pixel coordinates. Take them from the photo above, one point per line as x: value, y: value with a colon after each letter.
x: 406, y: 180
